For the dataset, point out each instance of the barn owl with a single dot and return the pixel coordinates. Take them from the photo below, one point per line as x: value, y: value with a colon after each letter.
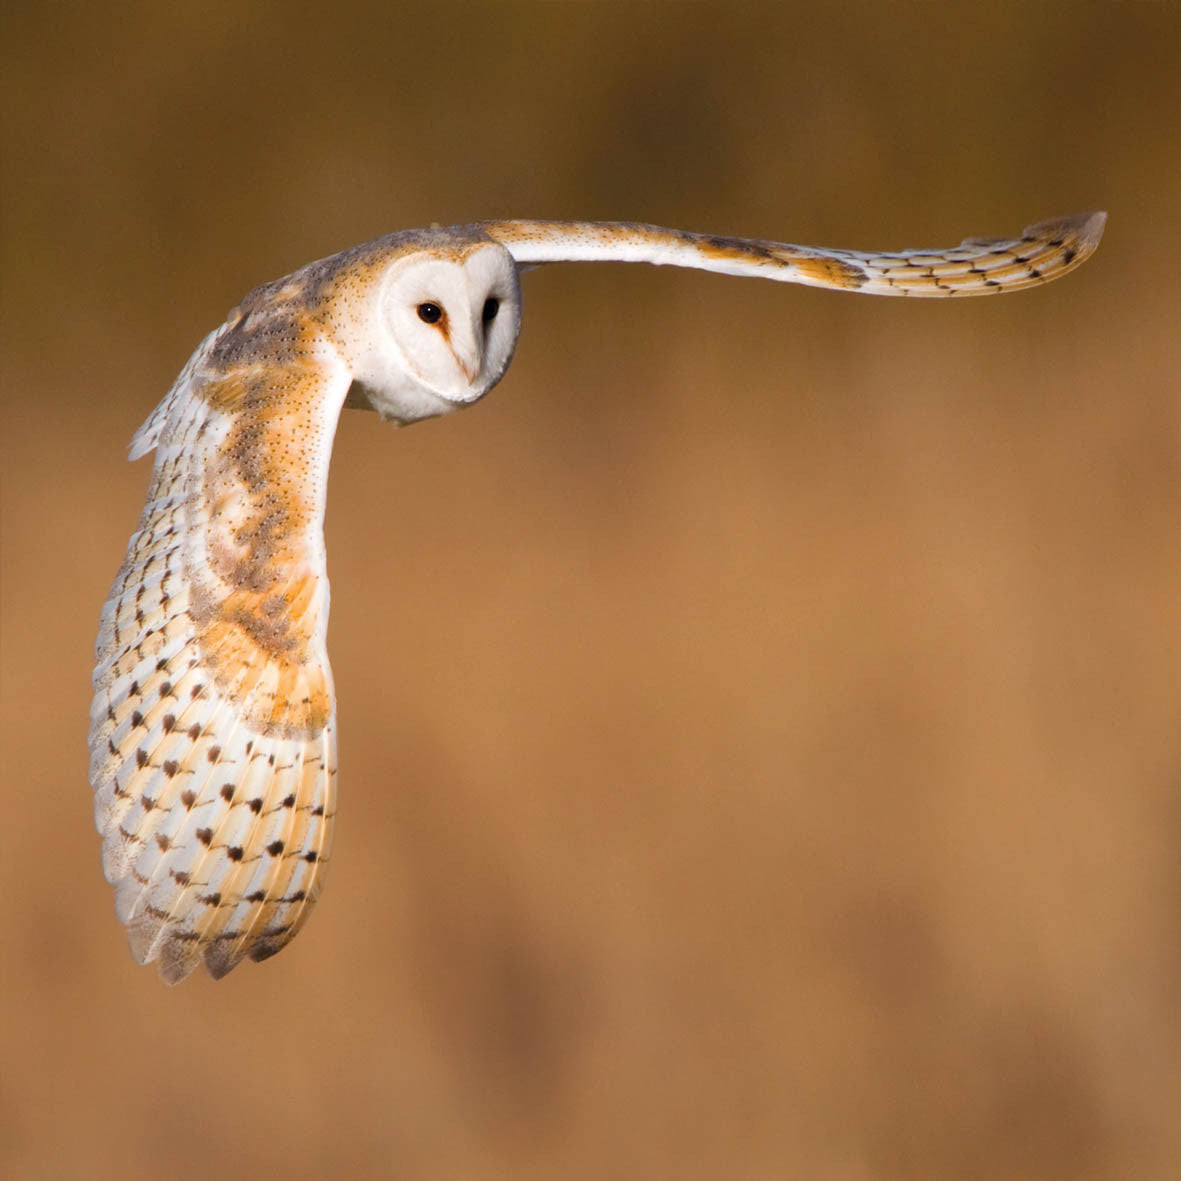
x: 213, y: 724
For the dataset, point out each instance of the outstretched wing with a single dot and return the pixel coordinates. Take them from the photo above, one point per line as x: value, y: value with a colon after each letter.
x: 212, y: 736
x: 978, y: 266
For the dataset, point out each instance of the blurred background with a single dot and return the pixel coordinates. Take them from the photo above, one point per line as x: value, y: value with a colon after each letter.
x: 760, y: 728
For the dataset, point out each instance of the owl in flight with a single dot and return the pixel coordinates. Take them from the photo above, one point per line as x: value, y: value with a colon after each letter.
x: 213, y: 724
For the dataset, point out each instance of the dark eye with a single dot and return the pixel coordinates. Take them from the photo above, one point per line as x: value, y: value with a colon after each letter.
x: 491, y: 307
x: 430, y: 313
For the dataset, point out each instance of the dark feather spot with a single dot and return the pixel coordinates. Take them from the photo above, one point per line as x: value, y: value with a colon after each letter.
x: 214, y: 754
x: 257, y: 896
x: 179, y: 875
x: 137, y: 719
x: 289, y: 802
x: 312, y: 856
x: 171, y: 767
x: 213, y: 899
x: 195, y: 731
x: 298, y: 896
x: 205, y: 836
x: 166, y: 689
x: 188, y: 798
x: 318, y: 810
x: 256, y: 806
x: 1068, y: 255
x: 275, y: 848
x: 147, y: 803
x: 227, y: 792
x: 198, y: 691
x: 164, y: 842
x: 161, y: 665
x: 141, y: 757
x: 234, y: 853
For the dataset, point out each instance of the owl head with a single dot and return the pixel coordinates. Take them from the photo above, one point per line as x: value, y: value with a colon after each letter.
x: 444, y: 324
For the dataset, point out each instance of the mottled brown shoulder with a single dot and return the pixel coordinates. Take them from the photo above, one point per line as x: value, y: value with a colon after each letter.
x: 283, y: 321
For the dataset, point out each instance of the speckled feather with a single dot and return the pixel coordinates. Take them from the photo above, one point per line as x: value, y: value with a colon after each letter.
x: 213, y: 723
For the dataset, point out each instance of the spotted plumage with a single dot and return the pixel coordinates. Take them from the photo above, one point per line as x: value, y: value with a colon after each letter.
x: 213, y: 724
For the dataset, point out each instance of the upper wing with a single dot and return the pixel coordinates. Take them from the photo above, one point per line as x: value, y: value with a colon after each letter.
x: 212, y: 737
x: 978, y: 266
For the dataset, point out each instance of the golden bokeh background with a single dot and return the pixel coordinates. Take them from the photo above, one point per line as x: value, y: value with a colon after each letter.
x: 760, y: 728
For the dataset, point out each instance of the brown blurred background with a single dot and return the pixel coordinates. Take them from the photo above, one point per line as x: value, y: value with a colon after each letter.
x: 760, y: 729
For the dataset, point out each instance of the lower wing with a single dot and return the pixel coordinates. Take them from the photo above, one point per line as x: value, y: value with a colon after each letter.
x: 212, y: 738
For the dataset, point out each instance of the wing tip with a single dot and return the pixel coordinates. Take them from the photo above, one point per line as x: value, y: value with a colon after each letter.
x: 175, y: 963
x: 221, y: 960
x: 178, y: 956
x: 143, y: 441
x: 1093, y: 224
x: 1084, y: 230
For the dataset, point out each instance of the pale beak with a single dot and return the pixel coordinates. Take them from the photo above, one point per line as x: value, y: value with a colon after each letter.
x: 467, y: 346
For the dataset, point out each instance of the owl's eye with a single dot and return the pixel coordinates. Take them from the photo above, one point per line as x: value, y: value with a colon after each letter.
x: 430, y: 313
x: 491, y: 307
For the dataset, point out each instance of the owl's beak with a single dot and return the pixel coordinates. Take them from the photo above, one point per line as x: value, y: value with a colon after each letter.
x: 471, y: 369
x: 468, y: 351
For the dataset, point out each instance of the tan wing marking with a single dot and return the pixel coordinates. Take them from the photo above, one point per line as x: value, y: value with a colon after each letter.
x: 257, y: 596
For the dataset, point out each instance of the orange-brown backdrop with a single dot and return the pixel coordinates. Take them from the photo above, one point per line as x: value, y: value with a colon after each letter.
x: 760, y: 728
